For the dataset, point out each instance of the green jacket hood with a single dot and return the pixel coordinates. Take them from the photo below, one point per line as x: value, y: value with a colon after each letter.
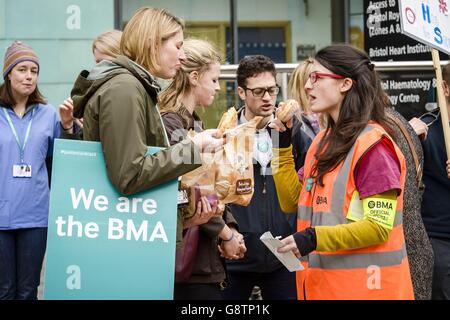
x: 88, y: 83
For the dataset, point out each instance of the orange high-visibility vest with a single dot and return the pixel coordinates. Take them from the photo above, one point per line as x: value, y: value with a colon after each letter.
x: 375, y: 272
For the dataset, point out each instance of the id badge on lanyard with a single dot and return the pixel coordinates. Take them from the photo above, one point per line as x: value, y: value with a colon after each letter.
x: 22, y: 169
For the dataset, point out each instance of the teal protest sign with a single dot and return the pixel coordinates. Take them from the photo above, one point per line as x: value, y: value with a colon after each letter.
x: 102, y: 245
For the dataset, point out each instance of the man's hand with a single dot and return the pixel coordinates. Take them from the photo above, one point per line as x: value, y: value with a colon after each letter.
x: 419, y: 127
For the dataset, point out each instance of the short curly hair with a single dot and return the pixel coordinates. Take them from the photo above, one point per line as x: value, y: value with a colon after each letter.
x: 251, y: 66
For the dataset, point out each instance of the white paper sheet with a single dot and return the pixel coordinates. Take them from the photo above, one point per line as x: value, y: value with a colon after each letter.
x: 288, y: 259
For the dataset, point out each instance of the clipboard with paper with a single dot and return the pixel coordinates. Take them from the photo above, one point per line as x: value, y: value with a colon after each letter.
x: 288, y: 259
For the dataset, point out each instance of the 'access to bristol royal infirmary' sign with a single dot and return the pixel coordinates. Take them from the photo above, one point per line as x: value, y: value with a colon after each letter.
x: 427, y: 21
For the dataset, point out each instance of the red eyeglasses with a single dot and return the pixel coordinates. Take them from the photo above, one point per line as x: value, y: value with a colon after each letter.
x: 314, y: 76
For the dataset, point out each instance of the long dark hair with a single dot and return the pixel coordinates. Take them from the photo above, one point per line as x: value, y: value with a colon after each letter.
x: 7, y: 98
x: 365, y: 101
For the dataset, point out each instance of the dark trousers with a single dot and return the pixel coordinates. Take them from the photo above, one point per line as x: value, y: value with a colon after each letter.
x: 276, y: 285
x: 21, y: 255
x: 197, y: 291
x: 441, y: 272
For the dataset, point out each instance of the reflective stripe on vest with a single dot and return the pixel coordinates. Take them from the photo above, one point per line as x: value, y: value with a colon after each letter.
x: 357, y: 260
x: 332, y: 218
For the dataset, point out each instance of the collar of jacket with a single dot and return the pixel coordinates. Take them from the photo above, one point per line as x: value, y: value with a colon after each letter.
x: 144, y: 74
x: 190, y: 120
x: 241, y: 115
x: 88, y: 83
x: 147, y: 80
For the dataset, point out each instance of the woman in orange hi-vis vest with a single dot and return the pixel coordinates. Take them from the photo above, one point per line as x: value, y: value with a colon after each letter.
x: 349, y: 200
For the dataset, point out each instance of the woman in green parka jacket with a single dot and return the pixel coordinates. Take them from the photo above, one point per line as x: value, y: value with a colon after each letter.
x: 117, y: 100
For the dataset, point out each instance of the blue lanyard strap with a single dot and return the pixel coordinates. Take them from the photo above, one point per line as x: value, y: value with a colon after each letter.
x: 27, y: 134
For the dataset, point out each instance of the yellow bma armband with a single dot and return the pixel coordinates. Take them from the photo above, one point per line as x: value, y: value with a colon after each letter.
x: 380, y: 209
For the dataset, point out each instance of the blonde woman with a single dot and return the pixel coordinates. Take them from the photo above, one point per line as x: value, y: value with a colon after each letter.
x: 117, y: 100
x: 296, y: 91
x: 196, y: 85
x: 297, y: 82
x: 105, y: 47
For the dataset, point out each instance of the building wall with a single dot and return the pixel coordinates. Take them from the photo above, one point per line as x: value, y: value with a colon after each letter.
x: 315, y: 28
x: 61, y: 32
x: 2, y: 18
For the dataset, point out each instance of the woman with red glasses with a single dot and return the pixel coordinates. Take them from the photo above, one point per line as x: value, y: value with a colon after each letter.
x: 350, y: 232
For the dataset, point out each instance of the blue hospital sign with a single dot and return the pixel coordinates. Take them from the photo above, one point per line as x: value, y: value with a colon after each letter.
x: 427, y: 22
x: 102, y: 245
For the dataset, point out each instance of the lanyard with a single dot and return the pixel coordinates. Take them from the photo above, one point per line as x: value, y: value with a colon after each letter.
x: 27, y: 134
